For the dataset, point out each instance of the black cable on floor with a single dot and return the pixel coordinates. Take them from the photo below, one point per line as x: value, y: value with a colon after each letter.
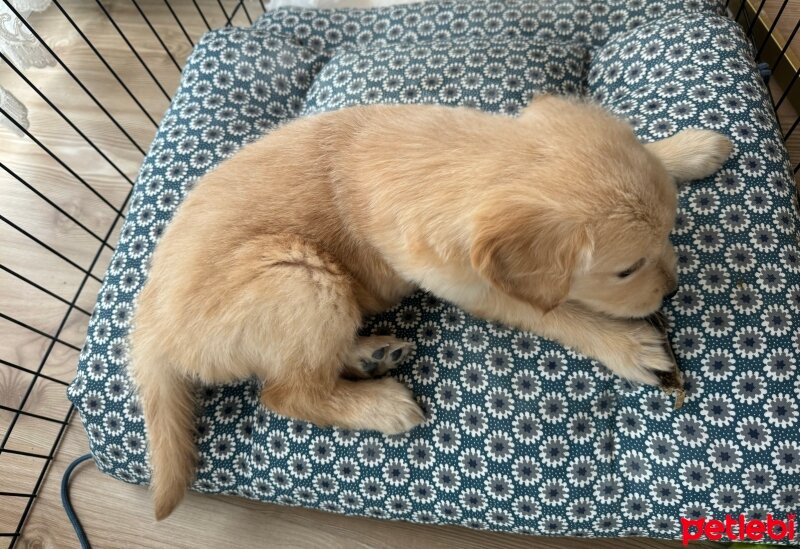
x: 73, y: 518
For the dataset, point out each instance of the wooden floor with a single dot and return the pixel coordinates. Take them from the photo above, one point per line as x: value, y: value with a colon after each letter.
x: 784, y: 29
x: 115, y: 514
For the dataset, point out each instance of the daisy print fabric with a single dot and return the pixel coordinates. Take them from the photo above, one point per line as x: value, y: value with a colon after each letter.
x: 522, y: 434
x: 494, y: 75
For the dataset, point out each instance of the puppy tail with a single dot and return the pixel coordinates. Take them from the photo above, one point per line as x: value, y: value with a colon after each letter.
x: 169, y: 410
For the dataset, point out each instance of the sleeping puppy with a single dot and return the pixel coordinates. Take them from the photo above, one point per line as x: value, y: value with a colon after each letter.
x: 556, y: 222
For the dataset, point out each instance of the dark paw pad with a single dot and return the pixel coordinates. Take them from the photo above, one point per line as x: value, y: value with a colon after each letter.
x: 379, y: 354
x: 369, y: 366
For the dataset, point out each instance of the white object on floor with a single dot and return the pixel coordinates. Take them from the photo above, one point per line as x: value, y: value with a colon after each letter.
x: 15, y: 110
x: 15, y: 40
x: 24, y: 51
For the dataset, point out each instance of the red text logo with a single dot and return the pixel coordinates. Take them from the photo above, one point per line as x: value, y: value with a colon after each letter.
x: 738, y: 529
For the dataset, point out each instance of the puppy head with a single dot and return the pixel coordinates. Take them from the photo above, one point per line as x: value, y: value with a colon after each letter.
x: 630, y: 269
x: 585, y: 216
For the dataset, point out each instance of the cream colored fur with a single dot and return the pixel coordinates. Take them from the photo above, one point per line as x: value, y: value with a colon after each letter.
x: 271, y: 262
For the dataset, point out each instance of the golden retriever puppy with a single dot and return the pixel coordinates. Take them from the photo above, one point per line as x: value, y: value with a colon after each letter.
x: 556, y: 222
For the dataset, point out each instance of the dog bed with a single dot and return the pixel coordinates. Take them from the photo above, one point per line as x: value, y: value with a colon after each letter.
x: 523, y: 435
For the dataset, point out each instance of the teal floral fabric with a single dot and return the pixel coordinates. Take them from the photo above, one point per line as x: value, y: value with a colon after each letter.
x: 590, y: 22
x: 499, y: 75
x: 522, y: 435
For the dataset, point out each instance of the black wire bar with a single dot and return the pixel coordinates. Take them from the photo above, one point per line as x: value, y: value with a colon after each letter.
x: 190, y: 30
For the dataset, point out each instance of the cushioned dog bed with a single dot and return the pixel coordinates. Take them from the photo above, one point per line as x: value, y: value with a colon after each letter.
x: 523, y: 434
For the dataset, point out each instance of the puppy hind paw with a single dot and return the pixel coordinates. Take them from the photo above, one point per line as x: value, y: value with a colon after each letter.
x: 394, y: 410
x: 402, y: 411
x: 374, y: 356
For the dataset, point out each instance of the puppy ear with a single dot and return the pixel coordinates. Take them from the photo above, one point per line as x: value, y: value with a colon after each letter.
x: 692, y: 154
x: 527, y: 254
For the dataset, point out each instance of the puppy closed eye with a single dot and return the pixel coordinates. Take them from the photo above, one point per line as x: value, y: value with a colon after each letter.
x: 632, y: 269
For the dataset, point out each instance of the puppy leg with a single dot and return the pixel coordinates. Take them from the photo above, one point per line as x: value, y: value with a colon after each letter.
x: 304, y: 330
x: 692, y: 154
x: 632, y: 349
x: 383, y: 405
x: 374, y: 356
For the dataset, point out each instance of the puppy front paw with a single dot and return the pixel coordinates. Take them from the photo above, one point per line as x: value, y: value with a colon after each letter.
x: 636, y: 352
